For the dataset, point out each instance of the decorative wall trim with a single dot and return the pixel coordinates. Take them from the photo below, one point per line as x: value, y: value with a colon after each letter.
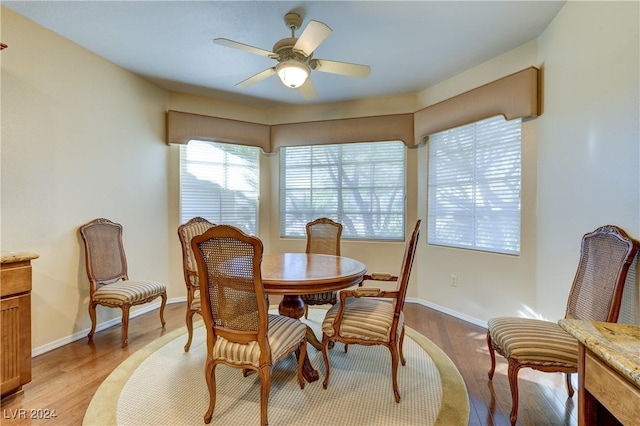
x: 456, y: 314
x: 102, y: 326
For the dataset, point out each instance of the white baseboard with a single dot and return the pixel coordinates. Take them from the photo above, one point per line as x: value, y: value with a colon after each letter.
x: 102, y: 326
x: 151, y: 306
x: 447, y: 311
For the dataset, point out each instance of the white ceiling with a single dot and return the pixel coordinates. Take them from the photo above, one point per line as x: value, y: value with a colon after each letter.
x: 410, y: 45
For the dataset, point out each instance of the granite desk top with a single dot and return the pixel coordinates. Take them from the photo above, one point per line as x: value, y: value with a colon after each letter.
x: 17, y: 256
x: 618, y: 345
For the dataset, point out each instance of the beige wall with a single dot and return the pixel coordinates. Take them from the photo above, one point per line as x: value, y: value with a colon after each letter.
x: 588, y: 138
x: 82, y: 138
x: 580, y: 165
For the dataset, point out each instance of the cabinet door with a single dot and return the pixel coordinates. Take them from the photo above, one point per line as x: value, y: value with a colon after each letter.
x: 15, y: 345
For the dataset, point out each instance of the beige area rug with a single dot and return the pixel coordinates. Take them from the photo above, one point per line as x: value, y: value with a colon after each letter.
x: 162, y: 385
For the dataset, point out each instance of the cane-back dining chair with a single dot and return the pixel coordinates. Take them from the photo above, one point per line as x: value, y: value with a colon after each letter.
x: 323, y: 237
x: 109, y: 283
x: 371, y: 316
x: 595, y: 295
x: 240, y: 331
x: 186, y: 232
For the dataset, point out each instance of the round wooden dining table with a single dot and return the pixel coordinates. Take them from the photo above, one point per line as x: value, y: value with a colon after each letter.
x: 293, y: 274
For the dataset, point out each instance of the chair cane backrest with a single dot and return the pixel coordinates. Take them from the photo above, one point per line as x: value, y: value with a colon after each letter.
x: 106, y: 262
x: 186, y: 232
x: 405, y: 271
x: 323, y: 236
x: 605, y: 257
x: 232, y: 294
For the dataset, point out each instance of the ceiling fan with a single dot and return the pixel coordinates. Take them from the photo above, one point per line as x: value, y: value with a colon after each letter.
x: 295, y: 57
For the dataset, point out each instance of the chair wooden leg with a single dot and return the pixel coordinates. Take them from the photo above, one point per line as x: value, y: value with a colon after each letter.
x: 514, y: 368
x: 400, y: 345
x: 569, y: 385
x: 164, y: 303
x: 125, y: 325
x: 306, y: 311
x: 210, y: 376
x: 189, y: 321
x: 393, y: 347
x: 325, y: 356
x: 492, y: 353
x: 92, y: 315
x: 265, y: 388
x: 301, y: 353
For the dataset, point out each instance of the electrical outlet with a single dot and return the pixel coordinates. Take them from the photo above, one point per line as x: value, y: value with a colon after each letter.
x: 453, y: 280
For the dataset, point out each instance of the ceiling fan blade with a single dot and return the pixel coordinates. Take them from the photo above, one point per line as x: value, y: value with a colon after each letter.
x: 343, y: 68
x: 308, y: 90
x: 314, y: 34
x: 257, y: 78
x: 244, y: 47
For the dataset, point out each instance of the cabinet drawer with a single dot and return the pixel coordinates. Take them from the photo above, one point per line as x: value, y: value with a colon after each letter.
x: 613, y: 391
x: 15, y: 278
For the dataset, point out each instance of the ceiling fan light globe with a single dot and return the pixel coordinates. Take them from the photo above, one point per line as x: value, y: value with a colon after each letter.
x: 292, y: 73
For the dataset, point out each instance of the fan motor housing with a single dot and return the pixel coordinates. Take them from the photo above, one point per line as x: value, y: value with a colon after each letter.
x: 284, y: 49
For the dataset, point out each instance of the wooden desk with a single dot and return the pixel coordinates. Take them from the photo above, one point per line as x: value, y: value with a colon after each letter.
x: 15, y: 313
x: 293, y: 274
x: 608, y: 372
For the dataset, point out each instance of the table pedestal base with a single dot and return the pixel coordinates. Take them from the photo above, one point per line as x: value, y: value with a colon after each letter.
x: 291, y: 306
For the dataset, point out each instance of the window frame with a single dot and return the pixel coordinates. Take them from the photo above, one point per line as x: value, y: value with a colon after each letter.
x: 342, y: 214
x: 467, y: 220
x: 232, y: 162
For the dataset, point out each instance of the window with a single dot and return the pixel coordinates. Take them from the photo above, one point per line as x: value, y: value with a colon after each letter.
x: 220, y: 182
x: 474, y: 186
x: 361, y: 185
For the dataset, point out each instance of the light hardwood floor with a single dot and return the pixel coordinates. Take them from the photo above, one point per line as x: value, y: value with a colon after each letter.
x: 65, y: 379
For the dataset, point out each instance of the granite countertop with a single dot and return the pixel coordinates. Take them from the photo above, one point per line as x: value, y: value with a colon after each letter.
x: 17, y: 256
x: 618, y: 345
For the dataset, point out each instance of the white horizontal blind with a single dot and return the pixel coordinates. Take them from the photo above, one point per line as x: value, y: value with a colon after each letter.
x: 361, y: 185
x: 220, y: 182
x: 474, y: 186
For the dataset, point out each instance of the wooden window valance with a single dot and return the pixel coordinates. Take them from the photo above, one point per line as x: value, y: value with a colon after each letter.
x: 364, y: 129
x: 183, y: 127
x: 513, y: 96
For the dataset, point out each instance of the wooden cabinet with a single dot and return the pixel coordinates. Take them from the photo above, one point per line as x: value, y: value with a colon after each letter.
x: 604, y: 394
x: 15, y: 321
x: 608, y: 372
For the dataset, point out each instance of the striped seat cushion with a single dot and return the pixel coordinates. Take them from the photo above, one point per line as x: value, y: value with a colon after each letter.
x: 328, y: 297
x: 128, y: 291
x: 363, y: 318
x: 532, y: 341
x: 196, y: 304
x: 285, y: 335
